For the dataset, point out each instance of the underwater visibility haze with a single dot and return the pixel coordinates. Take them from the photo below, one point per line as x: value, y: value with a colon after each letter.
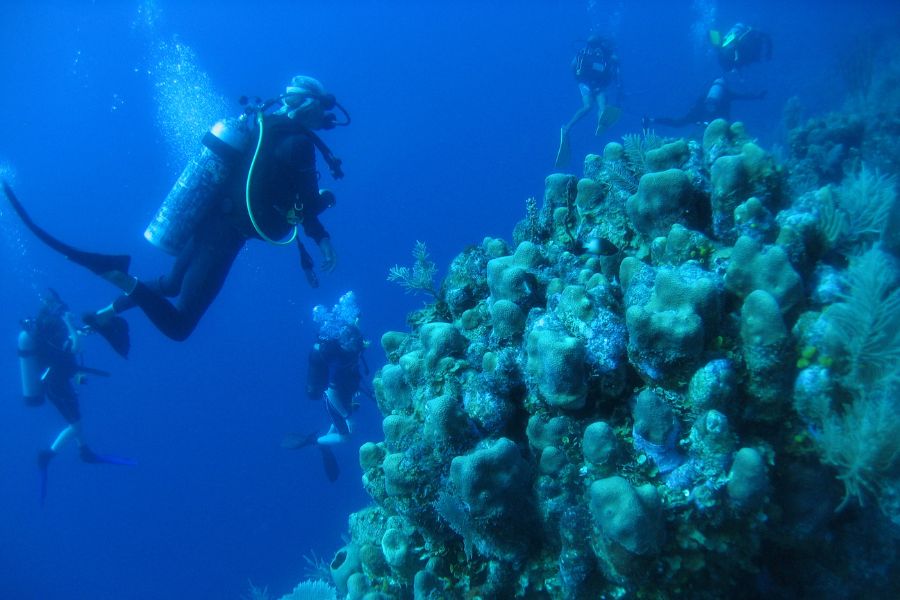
x: 652, y: 354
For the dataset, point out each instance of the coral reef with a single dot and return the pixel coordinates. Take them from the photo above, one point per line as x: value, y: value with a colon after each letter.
x: 706, y: 408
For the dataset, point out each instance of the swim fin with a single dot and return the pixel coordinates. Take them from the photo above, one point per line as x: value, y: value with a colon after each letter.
x: 295, y: 441
x: 608, y: 118
x: 564, y: 154
x: 329, y: 462
x: 113, y: 329
x: 89, y: 456
x: 44, y: 458
x: 105, y: 265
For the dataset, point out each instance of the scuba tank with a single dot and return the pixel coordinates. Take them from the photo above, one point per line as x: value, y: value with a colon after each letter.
x: 30, y: 369
x: 193, y: 195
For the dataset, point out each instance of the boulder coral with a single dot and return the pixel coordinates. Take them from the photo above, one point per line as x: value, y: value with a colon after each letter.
x: 667, y: 320
x: 756, y: 267
x: 626, y: 515
x: 663, y: 199
x: 734, y: 179
x: 641, y: 397
x: 556, y: 361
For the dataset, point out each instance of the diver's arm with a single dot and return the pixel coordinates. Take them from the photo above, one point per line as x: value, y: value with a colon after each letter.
x: 313, y: 228
x: 329, y: 256
x: 75, y: 334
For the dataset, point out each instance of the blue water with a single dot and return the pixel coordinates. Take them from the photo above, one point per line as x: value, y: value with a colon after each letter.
x: 456, y: 112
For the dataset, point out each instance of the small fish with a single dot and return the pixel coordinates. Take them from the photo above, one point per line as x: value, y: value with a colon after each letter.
x: 600, y: 247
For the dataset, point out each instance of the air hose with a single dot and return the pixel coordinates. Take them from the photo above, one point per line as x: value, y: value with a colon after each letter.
x: 259, y: 121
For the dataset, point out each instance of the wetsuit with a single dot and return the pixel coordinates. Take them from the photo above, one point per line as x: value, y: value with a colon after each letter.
x: 751, y: 46
x: 334, y: 366
x: 53, y: 351
x: 284, y: 180
x: 595, y: 69
x: 716, y: 104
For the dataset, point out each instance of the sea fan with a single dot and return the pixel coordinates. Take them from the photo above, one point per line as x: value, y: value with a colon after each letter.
x: 312, y: 589
x: 866, y: 323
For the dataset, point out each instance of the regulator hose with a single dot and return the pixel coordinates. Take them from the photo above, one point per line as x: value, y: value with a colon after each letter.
x: 285, y: 242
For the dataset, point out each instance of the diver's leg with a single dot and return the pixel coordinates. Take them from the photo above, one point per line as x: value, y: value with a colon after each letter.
x: 61, y: 393
x: 339, y: 396
x: 345, y: 384
x: 602, y: 117
x: 113, y: 328
x: 216, y: 246
x: 217, y: 249
x: 168, y: 285
x: 70, y: 432
x: 564, y: 152
x: 600, y: 100
x: 339, y: 409
x: 63, y: 396
x: 587, y: 103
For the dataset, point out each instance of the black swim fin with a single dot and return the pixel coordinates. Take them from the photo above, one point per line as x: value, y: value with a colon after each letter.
x: 329, y: 462
x: 100, y: 264
x: 89, y: 456
x: 113, y: 329
x: 44, y: 457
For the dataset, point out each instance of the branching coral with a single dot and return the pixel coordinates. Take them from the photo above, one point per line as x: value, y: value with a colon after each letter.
x: 860, y: 439
x: 862, y: 444
x: 636, y: 148
x: 418, y: 278
x: 859, y: 218
x: 867, y: 323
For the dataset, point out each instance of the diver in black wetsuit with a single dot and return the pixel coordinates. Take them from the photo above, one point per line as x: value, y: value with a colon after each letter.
x: 334, y: 375
x: 334, y: 362
x: 285, y: 194
x: 287, y: 180
x: 715, y: 104
x: 48, y: 348
x: 742, y: 45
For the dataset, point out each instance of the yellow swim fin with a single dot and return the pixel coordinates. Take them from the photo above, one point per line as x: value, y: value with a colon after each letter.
x: 715, y: 37
x: 608, y: 118
x: 564, y: 154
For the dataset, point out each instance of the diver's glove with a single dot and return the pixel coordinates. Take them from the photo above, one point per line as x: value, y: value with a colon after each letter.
x: 329, y: 257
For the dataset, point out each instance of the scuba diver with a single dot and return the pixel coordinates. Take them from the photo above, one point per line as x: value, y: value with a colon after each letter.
x: 48, y: 348
x: 255, y: 177
x: 334, y: 376
x: 596, y: 67
x: 740, y: 46
x: 715, y: 104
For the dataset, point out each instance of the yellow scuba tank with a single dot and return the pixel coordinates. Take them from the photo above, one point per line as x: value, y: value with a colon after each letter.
x: 30, y: 369
x: 193, y: 195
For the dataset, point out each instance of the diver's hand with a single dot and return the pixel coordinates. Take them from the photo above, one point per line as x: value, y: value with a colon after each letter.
x: 329, y: 258
x: 75, y: 333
